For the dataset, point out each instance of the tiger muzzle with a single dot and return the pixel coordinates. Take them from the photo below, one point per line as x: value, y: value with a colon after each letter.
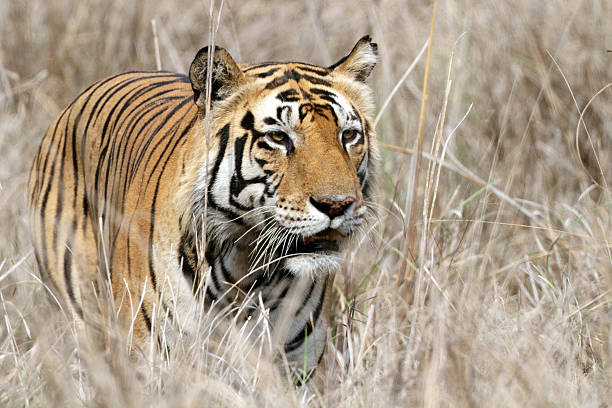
x: 324, y: 241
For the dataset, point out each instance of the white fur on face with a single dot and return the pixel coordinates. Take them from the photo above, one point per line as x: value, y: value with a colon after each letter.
x: 312, y: 264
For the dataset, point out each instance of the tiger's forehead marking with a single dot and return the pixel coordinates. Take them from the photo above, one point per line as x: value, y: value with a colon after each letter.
x: 287, y: 109
x: 293, y: 91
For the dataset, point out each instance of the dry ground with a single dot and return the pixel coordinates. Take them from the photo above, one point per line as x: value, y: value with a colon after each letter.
x: 499, y: 297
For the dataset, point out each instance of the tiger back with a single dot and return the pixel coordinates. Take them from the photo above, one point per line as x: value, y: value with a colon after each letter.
x: 247, y: 191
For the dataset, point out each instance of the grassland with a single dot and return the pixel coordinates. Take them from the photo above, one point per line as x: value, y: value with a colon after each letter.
x: 487, y: 278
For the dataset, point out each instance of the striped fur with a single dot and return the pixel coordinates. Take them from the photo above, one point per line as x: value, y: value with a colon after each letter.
x: 126, y: 184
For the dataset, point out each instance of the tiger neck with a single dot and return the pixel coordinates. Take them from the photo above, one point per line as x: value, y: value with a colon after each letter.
x: 296, y: 305
x: 228, y: 275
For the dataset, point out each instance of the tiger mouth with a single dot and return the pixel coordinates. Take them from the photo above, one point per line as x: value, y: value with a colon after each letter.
x: 324, y: 241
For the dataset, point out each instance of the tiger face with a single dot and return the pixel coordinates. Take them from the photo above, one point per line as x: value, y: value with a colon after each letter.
x: 297, y: 156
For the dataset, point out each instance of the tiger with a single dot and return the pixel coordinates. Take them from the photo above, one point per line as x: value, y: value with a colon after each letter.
x: 234, y: 183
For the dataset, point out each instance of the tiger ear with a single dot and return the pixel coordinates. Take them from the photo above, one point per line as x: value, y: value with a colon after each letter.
x: 226, y: 75
x: 361, y: 60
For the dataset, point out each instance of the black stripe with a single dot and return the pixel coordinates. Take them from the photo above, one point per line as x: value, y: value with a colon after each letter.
x: 317, y: 81
x: 290, y: 95
x: 263, y: 64
x: 325, y: 95
x: 223, y: 136
x: 305, y: 332
x: 313, y: 69
x: 262, y: 163
x: 275, y: 83
x: 68, y: 278
x: 321, y: 109
x: 248, y: 121
x: 218, y: 278
x: 60, y: 203
x: 286, y: 77
x: 186, y: 258
x: 267, y: 73
x: 263, y: 145
x: 306, y: 297
x: 279, y: 299
x: 212, y: 255
x: 304, y: 110
x: 213, y: 275
x: 147, y: 318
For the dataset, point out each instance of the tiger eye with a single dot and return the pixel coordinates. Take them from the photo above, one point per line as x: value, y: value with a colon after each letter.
x: 277, y: 137
x: 349, y: 135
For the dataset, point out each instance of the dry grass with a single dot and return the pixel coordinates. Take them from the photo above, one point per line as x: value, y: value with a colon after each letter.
x: 504, y: 299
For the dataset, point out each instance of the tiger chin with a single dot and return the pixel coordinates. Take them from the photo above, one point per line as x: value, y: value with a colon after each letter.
x: 250, y: 191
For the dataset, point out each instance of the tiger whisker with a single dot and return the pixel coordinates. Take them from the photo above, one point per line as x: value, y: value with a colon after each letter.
x: 272, y: 244
x: 262, y: 239
x: 276, y: 260
x: 286, y: 244
x: 254, y: 226
x: 280, y: 242
x: 265, y: 232
x: 262, y: 209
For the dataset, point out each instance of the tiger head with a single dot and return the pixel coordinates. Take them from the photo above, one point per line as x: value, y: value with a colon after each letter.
x: 292, y: 152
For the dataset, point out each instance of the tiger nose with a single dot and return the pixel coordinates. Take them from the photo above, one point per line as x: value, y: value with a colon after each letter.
x: 332, y: 206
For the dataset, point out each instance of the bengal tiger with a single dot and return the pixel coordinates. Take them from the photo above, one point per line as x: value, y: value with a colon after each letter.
x: 276, y: 173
